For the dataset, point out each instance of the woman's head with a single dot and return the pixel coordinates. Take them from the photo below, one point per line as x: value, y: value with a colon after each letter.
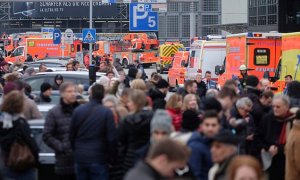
x: 137, y: 100
x: 244, y: 167
x: 58, y: 79
x: 190, y: 103
x: 174, y: 102
x: 13, y: 102
x: 139, y: 84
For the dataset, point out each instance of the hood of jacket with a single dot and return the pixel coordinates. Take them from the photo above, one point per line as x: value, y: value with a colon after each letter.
x: 154, y: 93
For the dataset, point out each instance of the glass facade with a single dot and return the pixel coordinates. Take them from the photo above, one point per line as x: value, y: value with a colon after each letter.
x: 263, y: 12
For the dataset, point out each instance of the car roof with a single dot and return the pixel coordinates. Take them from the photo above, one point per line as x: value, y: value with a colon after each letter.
x: 70, y: 73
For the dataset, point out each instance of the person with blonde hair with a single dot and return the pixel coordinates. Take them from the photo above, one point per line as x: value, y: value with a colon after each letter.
x: 190, y: 103
x: 173, y: 107
x: 244, y: 167
x: 139, y: 84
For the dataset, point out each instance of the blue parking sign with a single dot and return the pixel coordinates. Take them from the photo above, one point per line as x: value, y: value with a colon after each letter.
x: 56, y: 36
x: 141, y: 17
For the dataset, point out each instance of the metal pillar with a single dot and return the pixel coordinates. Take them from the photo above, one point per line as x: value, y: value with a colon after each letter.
x: 192, y: 21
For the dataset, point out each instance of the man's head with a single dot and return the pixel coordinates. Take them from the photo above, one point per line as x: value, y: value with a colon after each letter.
x: 163, y: 86
x: 76, y: 65
x: 136, y: 62
x: 224, y: 145
x: 166, y: 156
x: 208, y: 75
x: 161, y: 125
x: 266, y: 98
x: 67, y: 92
x: 288, y: 79
x: 243, y: 70
x: 210, y: 125
x: 198, y: 78
x: 244, y: 106
x: 42, y: 67
x: 280, y: 104
x: 69, y: 67
x: 46, y: 89
x: 97, y: 92
x: 264, y: 84
x: 227, y: 97
x: 252, y: 81
x: 190, y: 87
x: 103, y: 67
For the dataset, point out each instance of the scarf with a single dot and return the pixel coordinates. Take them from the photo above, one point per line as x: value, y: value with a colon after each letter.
x: 286, y: 127
x: 7, y: 120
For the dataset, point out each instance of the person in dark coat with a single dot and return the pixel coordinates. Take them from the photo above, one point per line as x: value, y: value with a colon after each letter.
x: 13, y: 127
x: 45, y: 95
x: 293, y: 92
x: 132, y: 71
x: 163, y: 159
x: 158, y: 94
x: 93, y: 137
x: 56, y: 131
x: 201, y: 86
x: 200, y: 160
x: 242, y: 124
x: 272, y: 133
x: 58, y: 80
x: 134, y: 130
x: 117, y: 64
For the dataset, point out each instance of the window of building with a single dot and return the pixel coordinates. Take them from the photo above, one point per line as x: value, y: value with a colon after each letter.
x: 272, y: 19
x: 272, y: 1
x: 173, y: 7
x: 210, y: 5
x: 252, y: 21
x: 185, y: 26
x: 210, y: 19
x: 262, y: 2
x: 252, y: 3
x: 253, y: 11
x: 272, y: 9
x: 262, y: 10
x: 209, y: 31
x: 262, y: 20
x: 172, y: 26
x: 162, y: 26
x: 186, y: 6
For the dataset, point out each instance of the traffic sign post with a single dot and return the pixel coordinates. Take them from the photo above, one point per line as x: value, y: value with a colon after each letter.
x: 56, y: 36
x: 89, y: 35
x: 69, y: 36
x: 141, y: 17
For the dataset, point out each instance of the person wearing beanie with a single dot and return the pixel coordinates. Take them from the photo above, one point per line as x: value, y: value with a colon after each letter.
x: 158, y: 94
x: 45, y: 95
x: 190, y: 123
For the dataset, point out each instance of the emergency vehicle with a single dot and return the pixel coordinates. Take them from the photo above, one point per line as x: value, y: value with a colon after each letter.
x: 290, y: 59
x: 128, y: 47
x: 259, y: 52
x: 177, y: 72
x: 166, y: 53
x: 41, y: 47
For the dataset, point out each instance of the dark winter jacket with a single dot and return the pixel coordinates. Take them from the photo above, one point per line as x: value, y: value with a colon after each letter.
x: 201, y: 89
x: 56, y: 136
x: 158, y: 98
x: 268, y: 134
x: 134, y: 133
x: 21, y: 130
x: 200, y: 160
x: 143, y: 171
x: 42, y: 99
x: 93, y: 134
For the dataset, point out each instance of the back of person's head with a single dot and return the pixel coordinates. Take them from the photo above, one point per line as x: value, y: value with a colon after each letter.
x: 190, y: 121
x: 227, y: 92
x: 246, y: 163
x: 155, y: 78
x: 244, y: 102
x: 212, y: 93
x: 139, y: 98
x: 132, y: 72
x: 173, y: 150
x: 252, y: 81
x: 97, y: 92
x: 173, y: 100
x: 138, y: 84
x: 162, y: 83
x: 13, y: 102
x: 293, y: 89
x: 211, y: 103
x: 161, y: 121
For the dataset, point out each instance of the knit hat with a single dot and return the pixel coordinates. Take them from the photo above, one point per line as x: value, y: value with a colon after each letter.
x: 161, y: 121
x: 190, y: 120
x: 162, y: 83
x: 226, y: 136
x: 252, y: 81
x: 45, y: 86
x: 9, y: 86
x: 59, y: 77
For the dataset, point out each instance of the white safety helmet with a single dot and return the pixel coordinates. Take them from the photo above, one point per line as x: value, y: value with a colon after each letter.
x: 243, y: 67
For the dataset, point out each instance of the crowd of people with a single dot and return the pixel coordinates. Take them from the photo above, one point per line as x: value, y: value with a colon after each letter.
x: 133, y: 127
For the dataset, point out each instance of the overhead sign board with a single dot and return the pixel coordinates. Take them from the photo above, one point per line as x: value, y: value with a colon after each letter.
x: 142, y: 18
x: 56, y: 36
x: 69, y: 36
x: 89, y: 35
